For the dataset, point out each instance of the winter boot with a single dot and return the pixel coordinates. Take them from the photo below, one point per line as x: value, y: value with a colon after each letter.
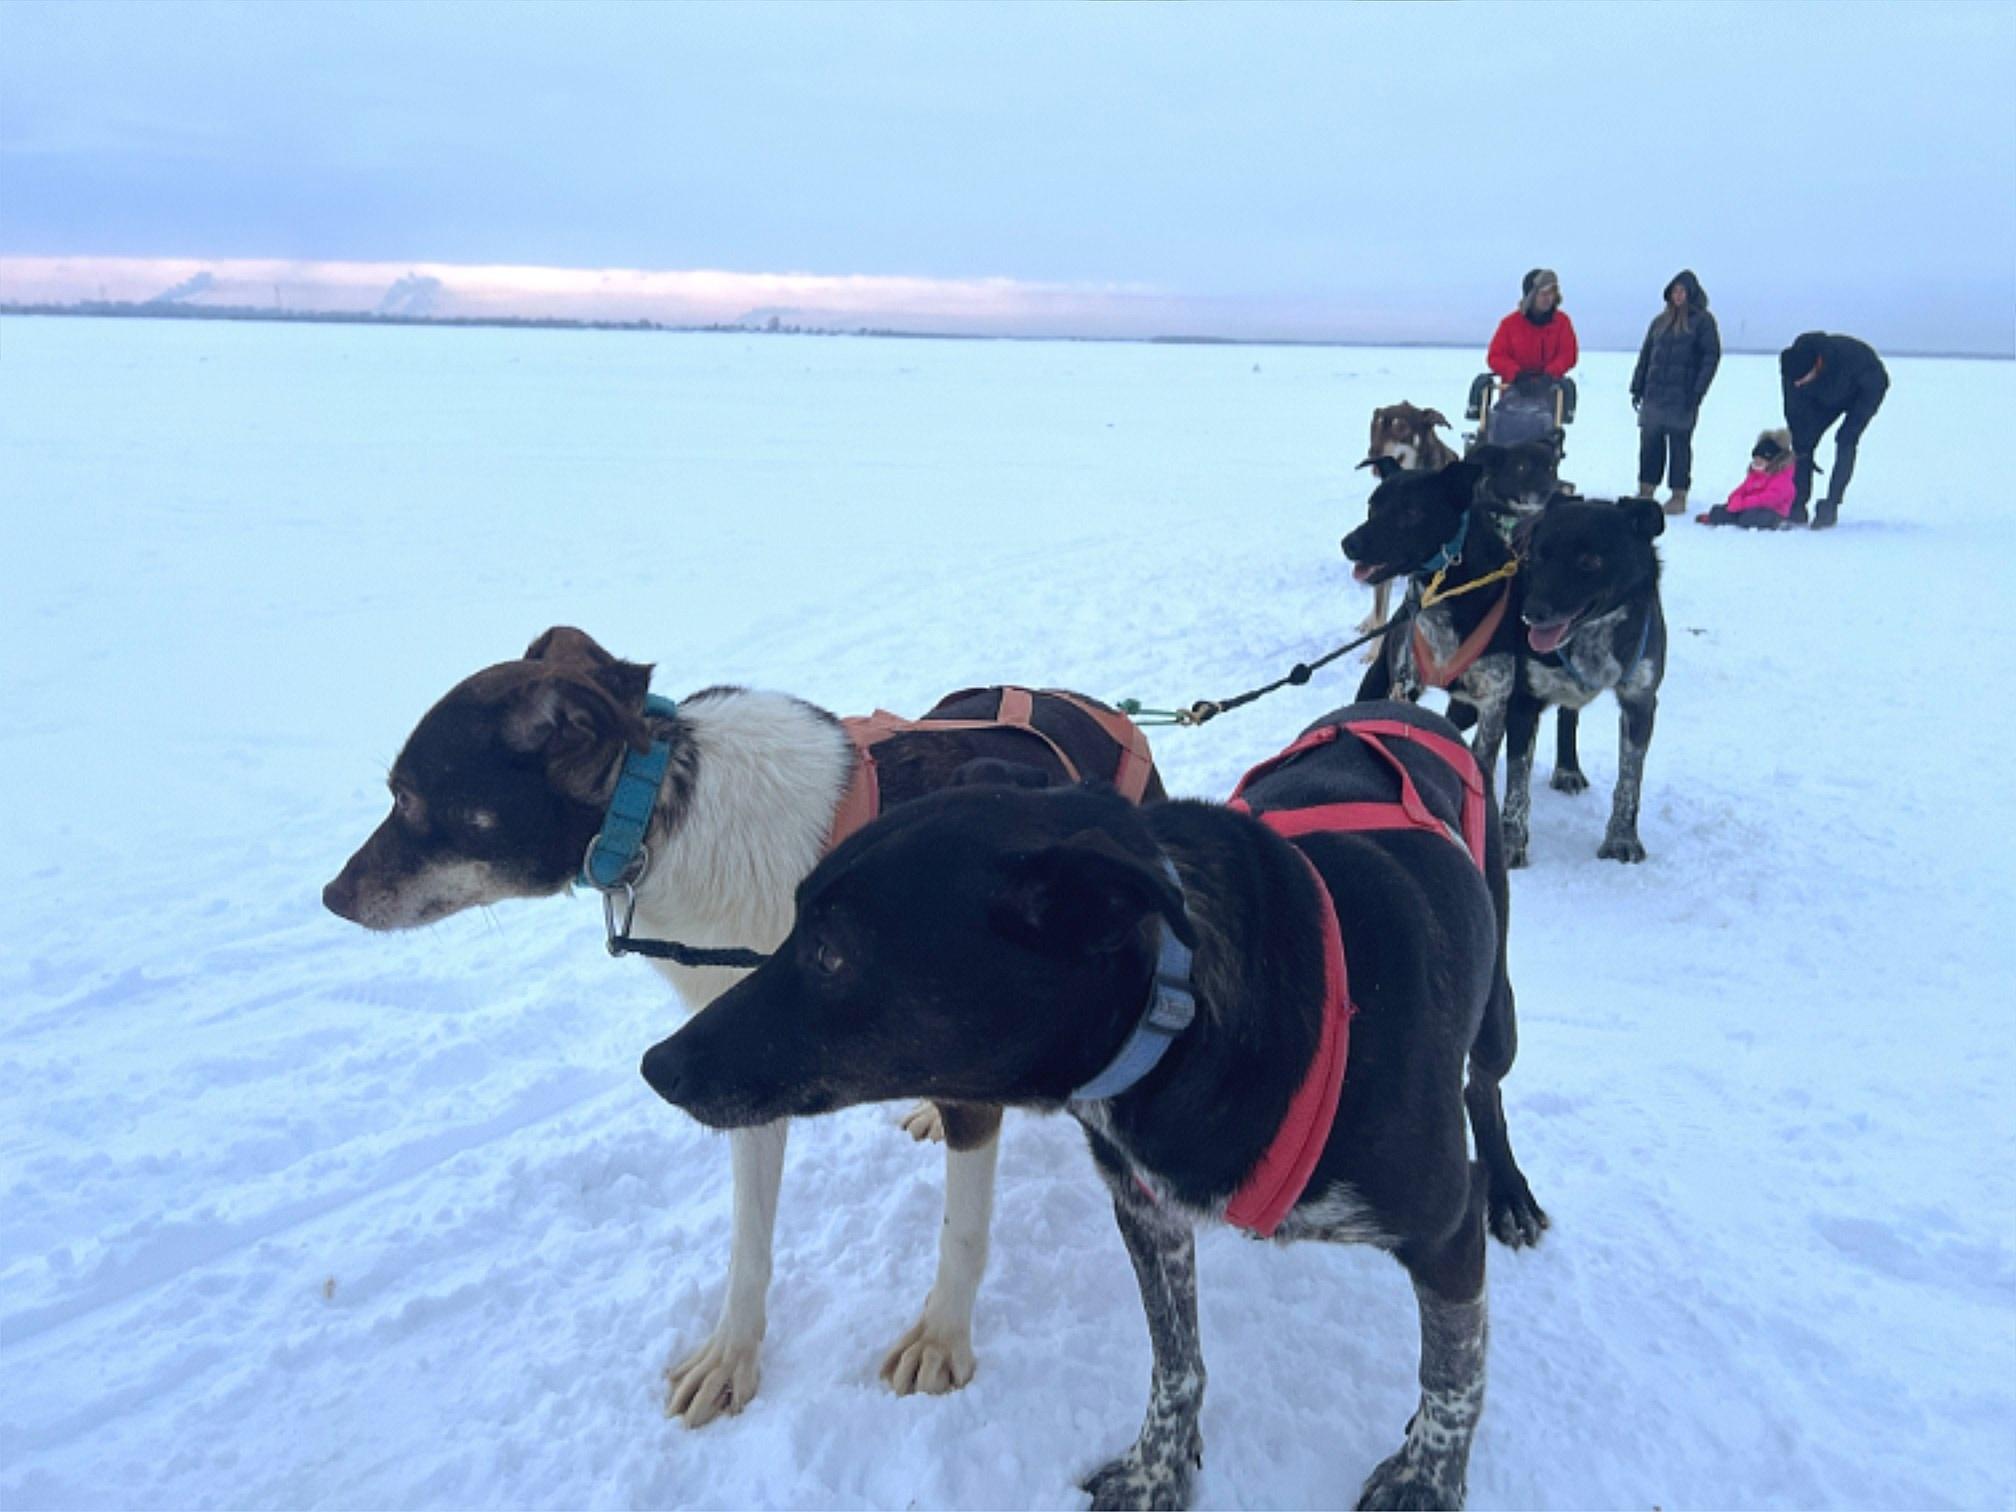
x: 1824, y: 514
x: 1676, y: 502
x: 1646, y: 490
x: 1798, y: 515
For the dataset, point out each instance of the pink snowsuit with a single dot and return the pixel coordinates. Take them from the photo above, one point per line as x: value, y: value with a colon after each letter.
x: 1764, y: 490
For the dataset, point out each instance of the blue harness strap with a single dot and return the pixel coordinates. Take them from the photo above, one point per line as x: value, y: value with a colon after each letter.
x: 618, y: 846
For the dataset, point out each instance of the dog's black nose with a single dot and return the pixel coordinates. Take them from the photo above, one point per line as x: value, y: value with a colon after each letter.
x: 664, y: 1067
x: 340, y: 898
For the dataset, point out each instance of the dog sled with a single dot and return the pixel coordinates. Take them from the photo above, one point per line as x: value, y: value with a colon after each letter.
x: 1535, y: 408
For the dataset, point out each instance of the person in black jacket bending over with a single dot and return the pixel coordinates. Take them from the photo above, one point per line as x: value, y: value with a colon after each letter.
x: 1675, y: 366
x: 1828, y: 378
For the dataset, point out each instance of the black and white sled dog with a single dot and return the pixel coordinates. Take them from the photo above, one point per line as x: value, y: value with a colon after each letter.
x: 1593, y: 624
x: 504, y: 784
x: 1170, y: 975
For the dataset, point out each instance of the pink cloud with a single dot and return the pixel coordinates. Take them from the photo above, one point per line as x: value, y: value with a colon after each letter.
x: 977, y: 306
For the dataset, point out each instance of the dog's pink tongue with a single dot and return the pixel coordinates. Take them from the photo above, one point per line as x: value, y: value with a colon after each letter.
x: 1544, y: 638
x: 1364, y: 570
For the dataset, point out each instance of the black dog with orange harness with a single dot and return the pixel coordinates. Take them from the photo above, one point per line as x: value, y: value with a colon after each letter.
x: 1261, y: 1013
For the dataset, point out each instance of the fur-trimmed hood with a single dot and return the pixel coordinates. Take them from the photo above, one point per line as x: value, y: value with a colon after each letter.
x: 1783, y: 440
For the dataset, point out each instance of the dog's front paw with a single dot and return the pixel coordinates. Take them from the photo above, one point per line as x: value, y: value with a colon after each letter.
x: 718, y: 1378
x: 1515, y: 851
x: 1407, y: 1483
x: 1129, y: 1483
x: 925, y: 1122
x: 1516, y: 1219
x: 930, y: 1360
x: 1568, y: 780
x: 1621, y: 848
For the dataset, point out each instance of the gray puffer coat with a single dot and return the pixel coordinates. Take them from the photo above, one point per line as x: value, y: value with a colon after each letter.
x: 1678, y: 361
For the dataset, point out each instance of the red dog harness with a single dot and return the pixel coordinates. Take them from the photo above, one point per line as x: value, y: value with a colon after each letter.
x: 863, y: 799
x: 1434, y: 674
x: 1277, y: 1182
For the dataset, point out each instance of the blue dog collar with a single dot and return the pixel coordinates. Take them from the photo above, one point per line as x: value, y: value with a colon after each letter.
x: 616, y: 855
x: 1172, y: 1004
x: 1452, y: 552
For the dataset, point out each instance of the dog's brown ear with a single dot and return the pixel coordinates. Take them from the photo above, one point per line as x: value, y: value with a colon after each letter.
x: 578, y: 727
x: 565, y: 643
x: 627, y: 682
x: 1085, y: 896
x: 1434, y: 417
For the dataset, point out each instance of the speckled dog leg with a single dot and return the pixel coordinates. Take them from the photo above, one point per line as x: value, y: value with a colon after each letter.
x: 1432, y: 1467
x: 1157, y: 1471
x: 1620, y: 841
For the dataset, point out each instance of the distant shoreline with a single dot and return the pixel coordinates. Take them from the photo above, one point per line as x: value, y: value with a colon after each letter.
x: 133, y: 310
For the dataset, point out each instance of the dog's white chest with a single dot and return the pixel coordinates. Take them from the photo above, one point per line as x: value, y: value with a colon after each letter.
x: 1485, y: 682
x: 1556, y: 685
x: 1338, y: 1216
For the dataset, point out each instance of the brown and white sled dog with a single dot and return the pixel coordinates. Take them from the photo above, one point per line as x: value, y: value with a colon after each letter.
x: 503, y: 786
x: 1404, y: 435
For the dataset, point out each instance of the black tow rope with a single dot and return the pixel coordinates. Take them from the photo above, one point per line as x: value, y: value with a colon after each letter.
x: 686, y: 955
x: 1207, y: 709
x: 621, y: 942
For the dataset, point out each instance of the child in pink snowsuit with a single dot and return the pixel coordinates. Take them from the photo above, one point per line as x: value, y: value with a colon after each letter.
x: 1763, y: 500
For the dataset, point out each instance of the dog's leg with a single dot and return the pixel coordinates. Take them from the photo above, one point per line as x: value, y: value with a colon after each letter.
x: 1522, y: 731
x: 1514, y: 1216
x: 1382, y: 598
x: 722, y: 1375
x: 1157, y: 1471
x: 1512, y: 1213
x: 1634, y: 732
x: 1568, y: 776
x: 1432, y: 1468
x: 1489, y: 736
x: 936, y: 1355
x: 1378, y: 679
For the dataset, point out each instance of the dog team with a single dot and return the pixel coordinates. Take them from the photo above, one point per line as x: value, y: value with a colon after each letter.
x: 1289, y: 1012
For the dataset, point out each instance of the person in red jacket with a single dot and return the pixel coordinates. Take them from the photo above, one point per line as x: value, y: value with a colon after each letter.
x: 1536, y: 338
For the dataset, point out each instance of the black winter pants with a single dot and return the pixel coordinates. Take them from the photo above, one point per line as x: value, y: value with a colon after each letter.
x: 1854, y: 420
x: 1654, y: 442
x: 1744, y: 519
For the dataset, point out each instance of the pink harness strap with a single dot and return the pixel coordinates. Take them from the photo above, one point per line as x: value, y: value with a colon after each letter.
x: 1273, y: 1187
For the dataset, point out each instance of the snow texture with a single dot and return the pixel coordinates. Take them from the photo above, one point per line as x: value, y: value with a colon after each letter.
x: 299, y: 1216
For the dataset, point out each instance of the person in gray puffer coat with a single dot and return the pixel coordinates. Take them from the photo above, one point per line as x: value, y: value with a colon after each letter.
x: 1675, y: 366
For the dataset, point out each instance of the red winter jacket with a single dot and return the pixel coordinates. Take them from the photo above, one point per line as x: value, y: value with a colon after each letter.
x: 1521, y: 347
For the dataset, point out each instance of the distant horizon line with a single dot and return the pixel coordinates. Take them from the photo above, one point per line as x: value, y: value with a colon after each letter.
x: 1459, y: 315
x: 172, y: 311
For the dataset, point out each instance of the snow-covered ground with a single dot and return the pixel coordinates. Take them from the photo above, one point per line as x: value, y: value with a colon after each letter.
x: 292, y: 1215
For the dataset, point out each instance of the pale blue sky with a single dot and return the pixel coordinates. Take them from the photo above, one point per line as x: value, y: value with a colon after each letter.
x: 1852, y: 167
